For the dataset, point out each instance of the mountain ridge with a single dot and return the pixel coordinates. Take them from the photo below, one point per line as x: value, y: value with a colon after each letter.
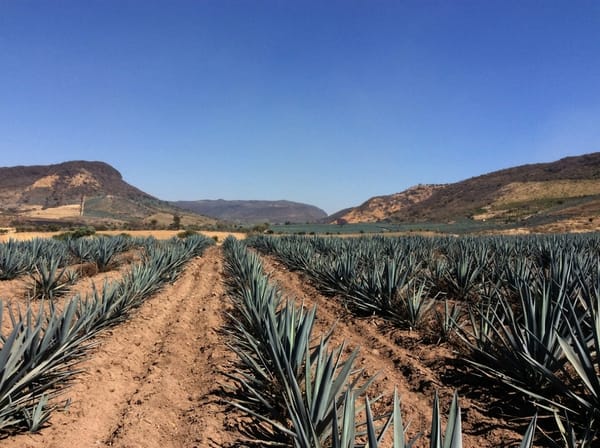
x: 532, y: 194
x: 85, y: 192
x: 255, y: 211
x: 540, y: 194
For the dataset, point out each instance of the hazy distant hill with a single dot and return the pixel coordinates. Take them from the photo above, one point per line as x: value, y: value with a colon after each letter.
x: 255, y: 211
x: 49, y: 193
x: 535, y: 194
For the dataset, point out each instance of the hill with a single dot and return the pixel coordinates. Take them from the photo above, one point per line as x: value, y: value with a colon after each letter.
x: 542, y: 194
x: 80, y: 192
x: 380, y: 208
x: 250, y: 212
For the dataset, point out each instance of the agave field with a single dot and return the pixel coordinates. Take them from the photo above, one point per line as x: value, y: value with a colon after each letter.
x: 311, y: 341
x: 523, y: 313
x: 43, y: 343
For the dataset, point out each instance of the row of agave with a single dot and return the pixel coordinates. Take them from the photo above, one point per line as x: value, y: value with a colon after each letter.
x: 303, y: 392
x: 47, y: 261
x: 101, y: 250
x: 527, y: 309
x: 39, y: 355
x: 20, y: 257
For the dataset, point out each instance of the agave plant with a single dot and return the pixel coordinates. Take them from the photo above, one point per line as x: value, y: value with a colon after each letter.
x: 80, y: 249
x: 38, y: 415
x: 415, y: 305
x: 12, y: 261
x: 453, y: 435
x: 463, y: 276
x: 37, y: 358
x: 575, y: 436
x: 521, y: 350
x: 102, y: 252
x: 273, y: 346
x: 582, y: 350
x: 71, y: 276
x: 448, y: 321
x: 450, y: 438
x: 48, y: 281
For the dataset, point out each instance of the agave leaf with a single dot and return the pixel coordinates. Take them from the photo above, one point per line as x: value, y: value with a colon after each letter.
x: 453, y: 436
x: 399, y: 440
x: 436, y: 424
x: 527, y: 441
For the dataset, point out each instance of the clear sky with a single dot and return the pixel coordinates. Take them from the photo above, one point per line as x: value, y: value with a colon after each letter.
x: 325, y: 102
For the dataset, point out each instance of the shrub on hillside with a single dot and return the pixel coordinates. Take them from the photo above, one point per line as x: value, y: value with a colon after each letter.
x: 186, y: 233
x: 76, y: 233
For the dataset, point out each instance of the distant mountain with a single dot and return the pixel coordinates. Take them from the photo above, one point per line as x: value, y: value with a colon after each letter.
x: 535, y: 194
x: 250, y: 212
x: 79, y: 191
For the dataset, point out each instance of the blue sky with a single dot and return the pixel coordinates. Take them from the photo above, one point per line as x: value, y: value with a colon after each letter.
x: 325, y: 102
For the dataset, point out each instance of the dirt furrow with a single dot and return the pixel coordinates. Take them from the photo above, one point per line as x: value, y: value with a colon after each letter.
x: 175, y: 404
x: 399, y: 359
x: 153, y: 381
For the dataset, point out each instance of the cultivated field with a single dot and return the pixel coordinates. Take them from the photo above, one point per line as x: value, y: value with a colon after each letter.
x: 279, y: 341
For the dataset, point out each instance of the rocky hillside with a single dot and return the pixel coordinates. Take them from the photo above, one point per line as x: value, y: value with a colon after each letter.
x: 535, y: 194
x: 62, y: 184
x: 380, y: 208
x: 79, y: 191
x: 250, y: 212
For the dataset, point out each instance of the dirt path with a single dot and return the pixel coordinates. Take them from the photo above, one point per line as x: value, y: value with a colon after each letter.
x: 400, y: 359
x: 153, y: 381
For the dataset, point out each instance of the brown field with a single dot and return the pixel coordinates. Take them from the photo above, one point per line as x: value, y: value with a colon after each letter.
x: 529, y: 191
x: 62, y: 212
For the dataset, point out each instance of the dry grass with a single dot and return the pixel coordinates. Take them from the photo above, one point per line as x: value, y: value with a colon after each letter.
x: 62, y: 212
x: 158, y: 234
x: 530, y: 191
x: 23, y: 236
x: 166, y: 234
x: 519, y: 198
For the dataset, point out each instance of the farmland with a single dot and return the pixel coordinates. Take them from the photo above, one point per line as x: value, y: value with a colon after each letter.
x: 299, y: 341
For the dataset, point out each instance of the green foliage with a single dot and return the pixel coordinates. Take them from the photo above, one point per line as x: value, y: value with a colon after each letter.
x: 176, y: 224
x: 38, y: 415
x: 448, y: 321
x: 79, y: 232
x: 48, y: 281
x: 186, y: 233
x: 13, y: 261
x: 261, y: 228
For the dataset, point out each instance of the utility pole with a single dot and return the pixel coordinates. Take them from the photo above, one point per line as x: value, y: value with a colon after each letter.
x: 81, y: 205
